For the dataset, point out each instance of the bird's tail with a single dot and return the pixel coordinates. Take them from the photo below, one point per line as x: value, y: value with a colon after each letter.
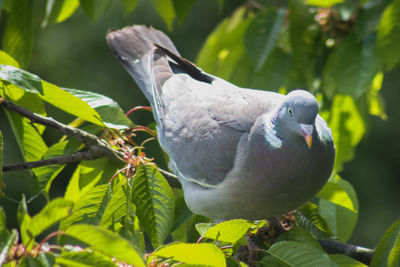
x: 134, y: 46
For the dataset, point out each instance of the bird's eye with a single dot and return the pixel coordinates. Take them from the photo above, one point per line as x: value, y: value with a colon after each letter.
x: 290, y: 111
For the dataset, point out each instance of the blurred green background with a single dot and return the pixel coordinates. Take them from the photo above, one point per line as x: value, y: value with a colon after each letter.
x: 74, y: 54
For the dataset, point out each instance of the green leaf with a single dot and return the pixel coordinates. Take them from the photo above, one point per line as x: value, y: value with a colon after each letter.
x: 323, y: 3
x: 165, y: 9
x: 347, y: 127
x: 154, y: 202
x: 110, y: 112
x: 59, y: 10
x: 301, y: 235
x: 303, y: 36
x: 6, y: 59
x: 84, y: 259
x: 341, y: 220
x: 351, y: 68
x: 182, y: 8
x: 336, y: 194
x: 46, y: 259
x: 223, y: 49
x: 52, y: 213
x: 129, y: 5
x: 17, y: 37
x: 1, y: 177
x: 46, y: 174
x: 116, y: 207
x: 262, y: 34
x: 2, y: 218
x: 88, y: 174
x: 229, y: 231
x: 193, y: 254
x: 389, y: 35
x: 27, y: 261
x: 387, y: 253
x: 308, y: 217
x: 346, y: 261
x: 23, y: 79
x: 376, y: 103
x: 293, y: 253
x: 87, y: 207
x: 94, y: 8
x: 7, y: 240
x: 106, y: 242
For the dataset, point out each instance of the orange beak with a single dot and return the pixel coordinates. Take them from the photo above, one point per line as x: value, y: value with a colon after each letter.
x: 307, y: 130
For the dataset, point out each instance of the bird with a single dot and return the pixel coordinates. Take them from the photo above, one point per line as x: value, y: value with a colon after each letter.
x: 239, y: 153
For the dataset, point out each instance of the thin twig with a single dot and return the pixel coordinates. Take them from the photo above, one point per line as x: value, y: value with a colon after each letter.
x: 361, y: 254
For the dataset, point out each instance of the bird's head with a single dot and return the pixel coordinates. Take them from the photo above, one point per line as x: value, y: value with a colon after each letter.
x: 297, y: 115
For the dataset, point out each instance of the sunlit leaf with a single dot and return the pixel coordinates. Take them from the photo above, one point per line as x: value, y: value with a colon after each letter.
x: 193, y: 254
x: 387, y: 253
x: 106, y: 242
x: 7, y: 240
x: 59, y: 10
x: 341, y: 220
x: 2, y: 224
x: 336, y: 194
x: 375, y: 100
x: 346, y: 261
x: 261, y: 35
x: 84, y: 259
x: 52, y: 213
x: 23, y: 79
x: 116, y: 207
x: 94, y: 8
x: 324, y: 3
x: 389, y: 35
x: 165, y: 9
x: 228, y: 231
x: 17, y: 36
x: 299, y: 254
x: 6, y: 59
x: 110, y: 112
x: 154, y: 202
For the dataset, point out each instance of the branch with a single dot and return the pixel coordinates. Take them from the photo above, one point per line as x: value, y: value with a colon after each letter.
x: 361, y: 254
x: 96, y: 148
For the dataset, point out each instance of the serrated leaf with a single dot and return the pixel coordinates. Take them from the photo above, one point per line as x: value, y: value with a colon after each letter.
x: 166, y: 10
x: 94, y: 8
x: 301, y: 235
x: 6, y: 59
x: 129, y: 5
x: 292, y: 253
x: 21, y: 78
x: 193, y: 254
x: 262, y: 34
x: 341, y: 220
x: 59, y: 10
x: 27, y: 261
x: 389, y: 35
x: 154, y: 201
x: 109, y: 110
x: 116, y: 207
x: 7, y: 240
x: 17, y: 37
x: 52, y: 213
x: 308, y: 217
x: 346, y: 261
x: 46, y: 259
x: 229, y: 231
x: 182, y: 8
x: 351, y: 68
x: 87, y: 207
x: 106, y: 242
x: 84, y: 259
x: 387, y: 253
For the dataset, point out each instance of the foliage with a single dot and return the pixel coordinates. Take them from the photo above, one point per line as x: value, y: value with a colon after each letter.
x: 124, y: 212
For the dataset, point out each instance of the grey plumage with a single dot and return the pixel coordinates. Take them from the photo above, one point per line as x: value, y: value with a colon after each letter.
x: 239, y: 153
